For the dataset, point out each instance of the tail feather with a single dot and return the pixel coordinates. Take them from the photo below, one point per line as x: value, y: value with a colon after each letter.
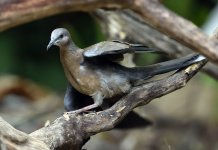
x: 164, y: 67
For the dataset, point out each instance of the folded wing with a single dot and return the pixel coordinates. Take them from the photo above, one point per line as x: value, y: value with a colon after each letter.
x: 115, y: 49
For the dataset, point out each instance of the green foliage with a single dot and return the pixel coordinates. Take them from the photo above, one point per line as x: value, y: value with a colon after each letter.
x: 207, y: 80
x: 23, y: 49
x: 194, y: 10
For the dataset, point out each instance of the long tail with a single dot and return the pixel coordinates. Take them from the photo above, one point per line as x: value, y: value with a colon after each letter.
x: 164, y: 67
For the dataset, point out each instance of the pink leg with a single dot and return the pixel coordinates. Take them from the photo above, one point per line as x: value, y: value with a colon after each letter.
x: 85, y: 108
x: 98, y: 99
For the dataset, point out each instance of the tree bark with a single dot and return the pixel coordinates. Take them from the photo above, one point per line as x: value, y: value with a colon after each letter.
x: 71, y: 131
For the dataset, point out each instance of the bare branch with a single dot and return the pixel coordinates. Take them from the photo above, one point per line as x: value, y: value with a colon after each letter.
x: 14, y: 139
x: 13, y: 13
x: 14, y: 84
x: 128, y: 26
x: 71, y: 131
x: 177, y: 28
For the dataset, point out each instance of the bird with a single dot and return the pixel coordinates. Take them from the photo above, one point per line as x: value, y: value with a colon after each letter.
x: 95, y: 72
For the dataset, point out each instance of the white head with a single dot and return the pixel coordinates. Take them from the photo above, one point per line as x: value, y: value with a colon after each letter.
x: 60, y: 37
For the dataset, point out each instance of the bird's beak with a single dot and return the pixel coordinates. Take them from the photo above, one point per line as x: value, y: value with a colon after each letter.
x: 50, y: 44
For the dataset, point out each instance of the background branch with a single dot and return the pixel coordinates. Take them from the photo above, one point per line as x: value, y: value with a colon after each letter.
x: 128, y: 26
x: 177, y: 28
x: 18, y: 12
x: 13, y: 13
x: 16, y: 85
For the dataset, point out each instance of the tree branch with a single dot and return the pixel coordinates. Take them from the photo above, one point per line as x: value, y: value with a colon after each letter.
x: 177, y: 28
x: 16, y: 85
x: 14, y: 139
x: 128, y: 26
x: 13, y: 13
x: 71, y: 131
x: 18, y: 12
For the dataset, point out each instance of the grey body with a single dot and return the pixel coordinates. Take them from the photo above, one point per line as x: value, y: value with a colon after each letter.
x: 93, y: 71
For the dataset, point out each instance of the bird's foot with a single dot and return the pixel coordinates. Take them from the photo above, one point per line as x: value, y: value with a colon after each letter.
x: 84, y: 109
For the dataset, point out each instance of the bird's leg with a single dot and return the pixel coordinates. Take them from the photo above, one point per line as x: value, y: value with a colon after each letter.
x: 98, y: 100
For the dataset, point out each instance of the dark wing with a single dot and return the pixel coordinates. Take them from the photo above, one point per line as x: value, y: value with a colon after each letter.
x: 115, y: 48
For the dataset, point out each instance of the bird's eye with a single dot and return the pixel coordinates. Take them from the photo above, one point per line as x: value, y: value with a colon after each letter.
x: 61, y: 36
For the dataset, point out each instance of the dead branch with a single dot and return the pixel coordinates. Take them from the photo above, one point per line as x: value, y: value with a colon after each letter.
x: 128, y: 26
x: 71, y: 131
x: 13, y: 84
x: 18, y: 12
x: 14, y: 139
x: 13, y: 13
x: 177, y: 28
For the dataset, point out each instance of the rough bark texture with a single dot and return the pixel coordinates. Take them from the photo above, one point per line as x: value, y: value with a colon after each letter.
x: 13, y: 12
x: 14, y: 139
x: 71, y: 131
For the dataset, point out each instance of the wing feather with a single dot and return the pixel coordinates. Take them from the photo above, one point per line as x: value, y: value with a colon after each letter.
x: 109, y: 48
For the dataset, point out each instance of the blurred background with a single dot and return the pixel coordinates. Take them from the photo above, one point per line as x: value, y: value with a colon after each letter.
x: 32, y: 85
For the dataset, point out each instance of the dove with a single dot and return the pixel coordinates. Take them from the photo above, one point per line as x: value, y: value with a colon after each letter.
x: 94, y: 71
